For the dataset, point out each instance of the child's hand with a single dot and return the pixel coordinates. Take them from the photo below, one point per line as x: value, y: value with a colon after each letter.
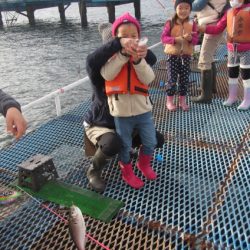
x: 188, y: 37
x: 142, y: 48
x: 129, y: 45
x: 202, y: 28
x: 179, y: 39
x: 124, y: 52
x: 136, y: 59
x: 142, y: 51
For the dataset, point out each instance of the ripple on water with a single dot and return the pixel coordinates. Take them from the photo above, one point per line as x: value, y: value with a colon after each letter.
x: 38, y: 60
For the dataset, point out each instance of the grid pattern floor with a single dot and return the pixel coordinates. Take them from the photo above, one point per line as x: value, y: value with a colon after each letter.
x: 200, y: 200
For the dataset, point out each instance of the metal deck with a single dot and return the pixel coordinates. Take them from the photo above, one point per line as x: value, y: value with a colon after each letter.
x: 200, y: 200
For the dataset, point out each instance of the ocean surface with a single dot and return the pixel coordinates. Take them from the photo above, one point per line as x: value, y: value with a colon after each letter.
x: 38, y: 60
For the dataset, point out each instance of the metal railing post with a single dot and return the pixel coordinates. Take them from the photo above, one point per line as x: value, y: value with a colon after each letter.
x: 58, y: 105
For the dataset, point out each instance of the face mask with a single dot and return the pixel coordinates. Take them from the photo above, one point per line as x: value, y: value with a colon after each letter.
x: 235, y: 4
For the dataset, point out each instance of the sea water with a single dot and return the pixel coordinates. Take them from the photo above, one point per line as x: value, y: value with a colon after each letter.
x: 40, y: 59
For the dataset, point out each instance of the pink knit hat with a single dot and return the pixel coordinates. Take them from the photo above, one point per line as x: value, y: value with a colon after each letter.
x: 125, y: 18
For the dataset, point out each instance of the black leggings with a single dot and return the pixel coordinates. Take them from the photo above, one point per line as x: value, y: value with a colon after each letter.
x: 110, y: 143
x: 233, y: 72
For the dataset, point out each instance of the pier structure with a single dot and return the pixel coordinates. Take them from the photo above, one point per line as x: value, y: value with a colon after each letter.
x: 27, y: 8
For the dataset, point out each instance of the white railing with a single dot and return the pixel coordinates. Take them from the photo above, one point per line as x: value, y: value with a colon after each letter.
x: 57, y: 93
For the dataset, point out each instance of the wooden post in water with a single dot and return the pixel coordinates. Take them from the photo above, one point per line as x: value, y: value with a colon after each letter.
x: 30, y: 14
x: 83, y: 12
x: 137, y: 6
x: 1, y: 20
x: 62, y: 12
x: 111, y: 12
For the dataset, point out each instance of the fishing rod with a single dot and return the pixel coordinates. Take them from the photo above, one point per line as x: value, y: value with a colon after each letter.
x: 61, y: 217
x: 161, y: 4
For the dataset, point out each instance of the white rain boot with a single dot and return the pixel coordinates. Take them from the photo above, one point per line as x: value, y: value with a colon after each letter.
x: 245, y: 105
x: 233, y: 92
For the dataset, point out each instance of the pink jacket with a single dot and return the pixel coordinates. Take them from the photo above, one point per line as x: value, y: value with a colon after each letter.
x: 221, y: 25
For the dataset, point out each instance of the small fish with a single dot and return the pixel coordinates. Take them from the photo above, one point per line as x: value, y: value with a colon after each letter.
x: 77, y: 227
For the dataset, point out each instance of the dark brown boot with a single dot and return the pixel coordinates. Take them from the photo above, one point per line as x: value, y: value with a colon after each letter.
x: 206, y: 87
x: 95, y: 171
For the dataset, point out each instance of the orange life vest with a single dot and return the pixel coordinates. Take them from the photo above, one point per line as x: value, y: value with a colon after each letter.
x: 126, y: 82
x: 238, y: 25
x: 179, y: 30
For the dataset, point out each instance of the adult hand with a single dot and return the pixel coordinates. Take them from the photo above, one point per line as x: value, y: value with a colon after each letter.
x: 202, y: 28
x: 196, y: 19
x: 15, y: 122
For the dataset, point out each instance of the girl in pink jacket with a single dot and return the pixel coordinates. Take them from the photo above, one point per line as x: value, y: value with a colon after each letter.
x: 179, y: 37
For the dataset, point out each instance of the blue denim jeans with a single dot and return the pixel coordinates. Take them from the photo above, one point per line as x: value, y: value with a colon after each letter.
x: 144, y: 124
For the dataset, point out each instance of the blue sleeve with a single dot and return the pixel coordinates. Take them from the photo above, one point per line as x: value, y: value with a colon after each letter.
x: 198, y: 5
x: 6, y: 102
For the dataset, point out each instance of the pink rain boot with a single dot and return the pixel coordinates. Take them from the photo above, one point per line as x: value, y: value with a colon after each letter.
x: 170, y: 103
x: 129, y: 177
x: 182, y: 103
x: 144, y: 165
x: 232, y: 97
x: 245, y: 105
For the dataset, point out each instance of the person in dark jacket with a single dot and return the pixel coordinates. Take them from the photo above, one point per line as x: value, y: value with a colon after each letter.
x: 98, y: 123
x: 11, y: 110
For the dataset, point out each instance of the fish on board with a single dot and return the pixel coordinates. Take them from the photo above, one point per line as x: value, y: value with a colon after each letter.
x: 77, y: 227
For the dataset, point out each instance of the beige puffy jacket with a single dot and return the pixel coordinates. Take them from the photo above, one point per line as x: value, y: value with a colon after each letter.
x: 126, y: 104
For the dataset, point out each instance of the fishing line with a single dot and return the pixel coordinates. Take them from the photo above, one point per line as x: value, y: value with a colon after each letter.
x: 62, y: 218
x: 159, y: 2
x: 79, y: 54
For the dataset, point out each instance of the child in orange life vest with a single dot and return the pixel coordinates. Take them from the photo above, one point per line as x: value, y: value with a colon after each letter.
x: 127, y: 76
x: 237, y: 22
x: 179, y: 35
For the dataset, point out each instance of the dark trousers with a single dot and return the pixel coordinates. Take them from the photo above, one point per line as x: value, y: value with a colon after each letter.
x: 178, y: 66
x: 111, y: 143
